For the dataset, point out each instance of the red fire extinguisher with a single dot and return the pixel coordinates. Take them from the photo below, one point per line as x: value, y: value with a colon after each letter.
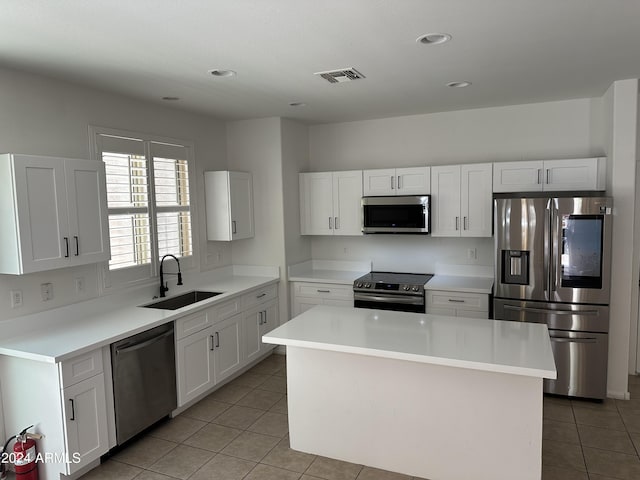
x: 24, y: 454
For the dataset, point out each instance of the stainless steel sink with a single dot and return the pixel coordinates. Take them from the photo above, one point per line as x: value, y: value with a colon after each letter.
x: 183, y: 300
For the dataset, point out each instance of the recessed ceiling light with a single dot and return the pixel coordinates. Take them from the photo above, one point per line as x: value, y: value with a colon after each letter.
x: 171, y: 99
x: 458, y: 84
x: 297, y: 104
x: 433, y: 38
x: 218, y: 72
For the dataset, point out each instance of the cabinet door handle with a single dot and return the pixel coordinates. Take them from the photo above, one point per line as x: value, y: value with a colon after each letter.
x: 265, y: 317
x: 233, y: 227
x: 261, y: 295
x: 335, y: 223
x: 330, y: 223
x: 77, y: 246
x: 212, y: 343
x: 548, y: 176
x: 73, y: 410
x: 217, y: 339
x: 323, y: 291
x: 457, y: 223
x: 66, y: 243
x: 539, y: 176
x: 260, y: 321
x: 398, y: 182
x: 392, y: 179
x: 456, y: 301
x: 464, y: 223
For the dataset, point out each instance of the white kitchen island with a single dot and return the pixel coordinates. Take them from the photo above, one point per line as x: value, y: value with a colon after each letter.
x: 444, y: 398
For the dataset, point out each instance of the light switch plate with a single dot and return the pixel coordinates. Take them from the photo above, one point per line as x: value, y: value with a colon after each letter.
x: 16, y: 298
x: 46, y: 289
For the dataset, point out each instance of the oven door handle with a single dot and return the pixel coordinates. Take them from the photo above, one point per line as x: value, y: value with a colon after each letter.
x: 414, y: 300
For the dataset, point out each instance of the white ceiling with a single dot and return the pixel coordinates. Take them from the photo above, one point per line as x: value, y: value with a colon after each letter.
x: 514, y: 51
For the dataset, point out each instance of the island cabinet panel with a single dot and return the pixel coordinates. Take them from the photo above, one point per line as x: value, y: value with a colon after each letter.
x: 306, y: 295
x: 574, y: 174
x: 330, y: 203
x: 54, y: 213
x: 433, y: 406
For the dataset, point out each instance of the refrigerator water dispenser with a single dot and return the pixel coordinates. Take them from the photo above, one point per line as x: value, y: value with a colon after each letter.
x: 515, y: 267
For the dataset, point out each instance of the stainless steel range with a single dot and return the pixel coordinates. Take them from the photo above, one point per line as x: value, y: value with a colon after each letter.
x: 403, y: 292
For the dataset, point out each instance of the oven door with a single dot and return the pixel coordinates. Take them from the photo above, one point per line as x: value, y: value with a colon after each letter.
x: 408, y: 214
x: 388, y: 301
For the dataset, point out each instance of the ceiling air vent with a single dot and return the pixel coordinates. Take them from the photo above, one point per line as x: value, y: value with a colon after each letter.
x: 341, y: 76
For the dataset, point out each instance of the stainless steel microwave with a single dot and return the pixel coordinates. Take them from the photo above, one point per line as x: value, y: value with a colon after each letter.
x: 402, y: 214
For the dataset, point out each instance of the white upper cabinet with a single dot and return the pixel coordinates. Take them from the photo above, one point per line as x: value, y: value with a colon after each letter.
x: 330, y: 203
x: 229, y: 204
x: 577, y: 174
x: 53, y: 213
x: 397, y: 181
x: 461, y: 200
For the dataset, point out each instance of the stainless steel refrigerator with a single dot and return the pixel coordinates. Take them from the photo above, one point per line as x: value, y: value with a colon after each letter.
x: 553, y: 266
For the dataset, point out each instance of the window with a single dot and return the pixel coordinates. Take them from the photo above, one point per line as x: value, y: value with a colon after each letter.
x: 148, y: 198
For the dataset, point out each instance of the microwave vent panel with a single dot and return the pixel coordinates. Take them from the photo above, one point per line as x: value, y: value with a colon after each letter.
x: 341, y: 76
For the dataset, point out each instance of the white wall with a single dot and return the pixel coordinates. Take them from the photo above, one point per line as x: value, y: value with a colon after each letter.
x: 621, y: 105
x: 256, y: 146
x: 295, y: 159
x: 534, y: 131
x: 43, y: 116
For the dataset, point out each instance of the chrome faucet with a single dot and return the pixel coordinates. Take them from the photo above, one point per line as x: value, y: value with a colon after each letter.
x: 163, y: 286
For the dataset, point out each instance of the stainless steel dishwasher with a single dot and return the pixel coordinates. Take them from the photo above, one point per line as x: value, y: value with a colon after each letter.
x: 144, y: 380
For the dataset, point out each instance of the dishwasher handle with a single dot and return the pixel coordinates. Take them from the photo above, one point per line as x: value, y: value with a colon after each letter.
x: 138, y: 346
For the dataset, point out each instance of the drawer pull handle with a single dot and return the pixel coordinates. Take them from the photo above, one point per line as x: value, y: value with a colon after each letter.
x: 261, y: 295
x: 456, y: 301
x: 323, y: 291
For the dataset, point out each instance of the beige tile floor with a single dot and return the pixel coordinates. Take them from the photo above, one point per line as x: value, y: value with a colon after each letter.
x: 240, y: 432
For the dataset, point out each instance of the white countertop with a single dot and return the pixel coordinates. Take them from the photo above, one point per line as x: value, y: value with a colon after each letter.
x: 61, y: 333
x: 459, y: 283
x: 328, y: 271
x: 517, y: 348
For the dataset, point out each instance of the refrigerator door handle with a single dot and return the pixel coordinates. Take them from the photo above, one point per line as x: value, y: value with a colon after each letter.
x: 572, y: 340
x: 547, y: 251
x: 550, y: 311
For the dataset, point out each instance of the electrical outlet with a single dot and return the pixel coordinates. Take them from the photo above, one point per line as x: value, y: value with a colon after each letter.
x: 46, y: 289
x: 218, y: 257
x: 16, y: 298
x: 79, y: 283
x: 471, y: 253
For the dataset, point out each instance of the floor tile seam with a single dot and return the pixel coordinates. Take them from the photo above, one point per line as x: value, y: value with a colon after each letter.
x: 138, y: 466
x: 612, y: 451
x: 603, y: 427
x: 281, y: 468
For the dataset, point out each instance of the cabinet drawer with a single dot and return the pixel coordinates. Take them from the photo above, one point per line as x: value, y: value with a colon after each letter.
x: 81, y: 367
x: 193, y: 323
x: 457, y: 300
x: 226, y: 310
x: 259, y: 296
x: 324, y: 290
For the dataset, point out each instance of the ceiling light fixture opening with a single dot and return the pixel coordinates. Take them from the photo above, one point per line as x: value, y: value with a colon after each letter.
x: 458, y: 84
x: 170, y: 99
x: 433, y: 38
x: 222, y: 73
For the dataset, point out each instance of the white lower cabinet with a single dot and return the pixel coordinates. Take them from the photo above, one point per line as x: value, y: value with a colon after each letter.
x: 215, y: 343
x: 227, y: 347
x: 85, y: 414
x: 457, y: 304
x: 257, y: 322
x: 306, y: 295
x: 194, y: 363
x: 66, y: 402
